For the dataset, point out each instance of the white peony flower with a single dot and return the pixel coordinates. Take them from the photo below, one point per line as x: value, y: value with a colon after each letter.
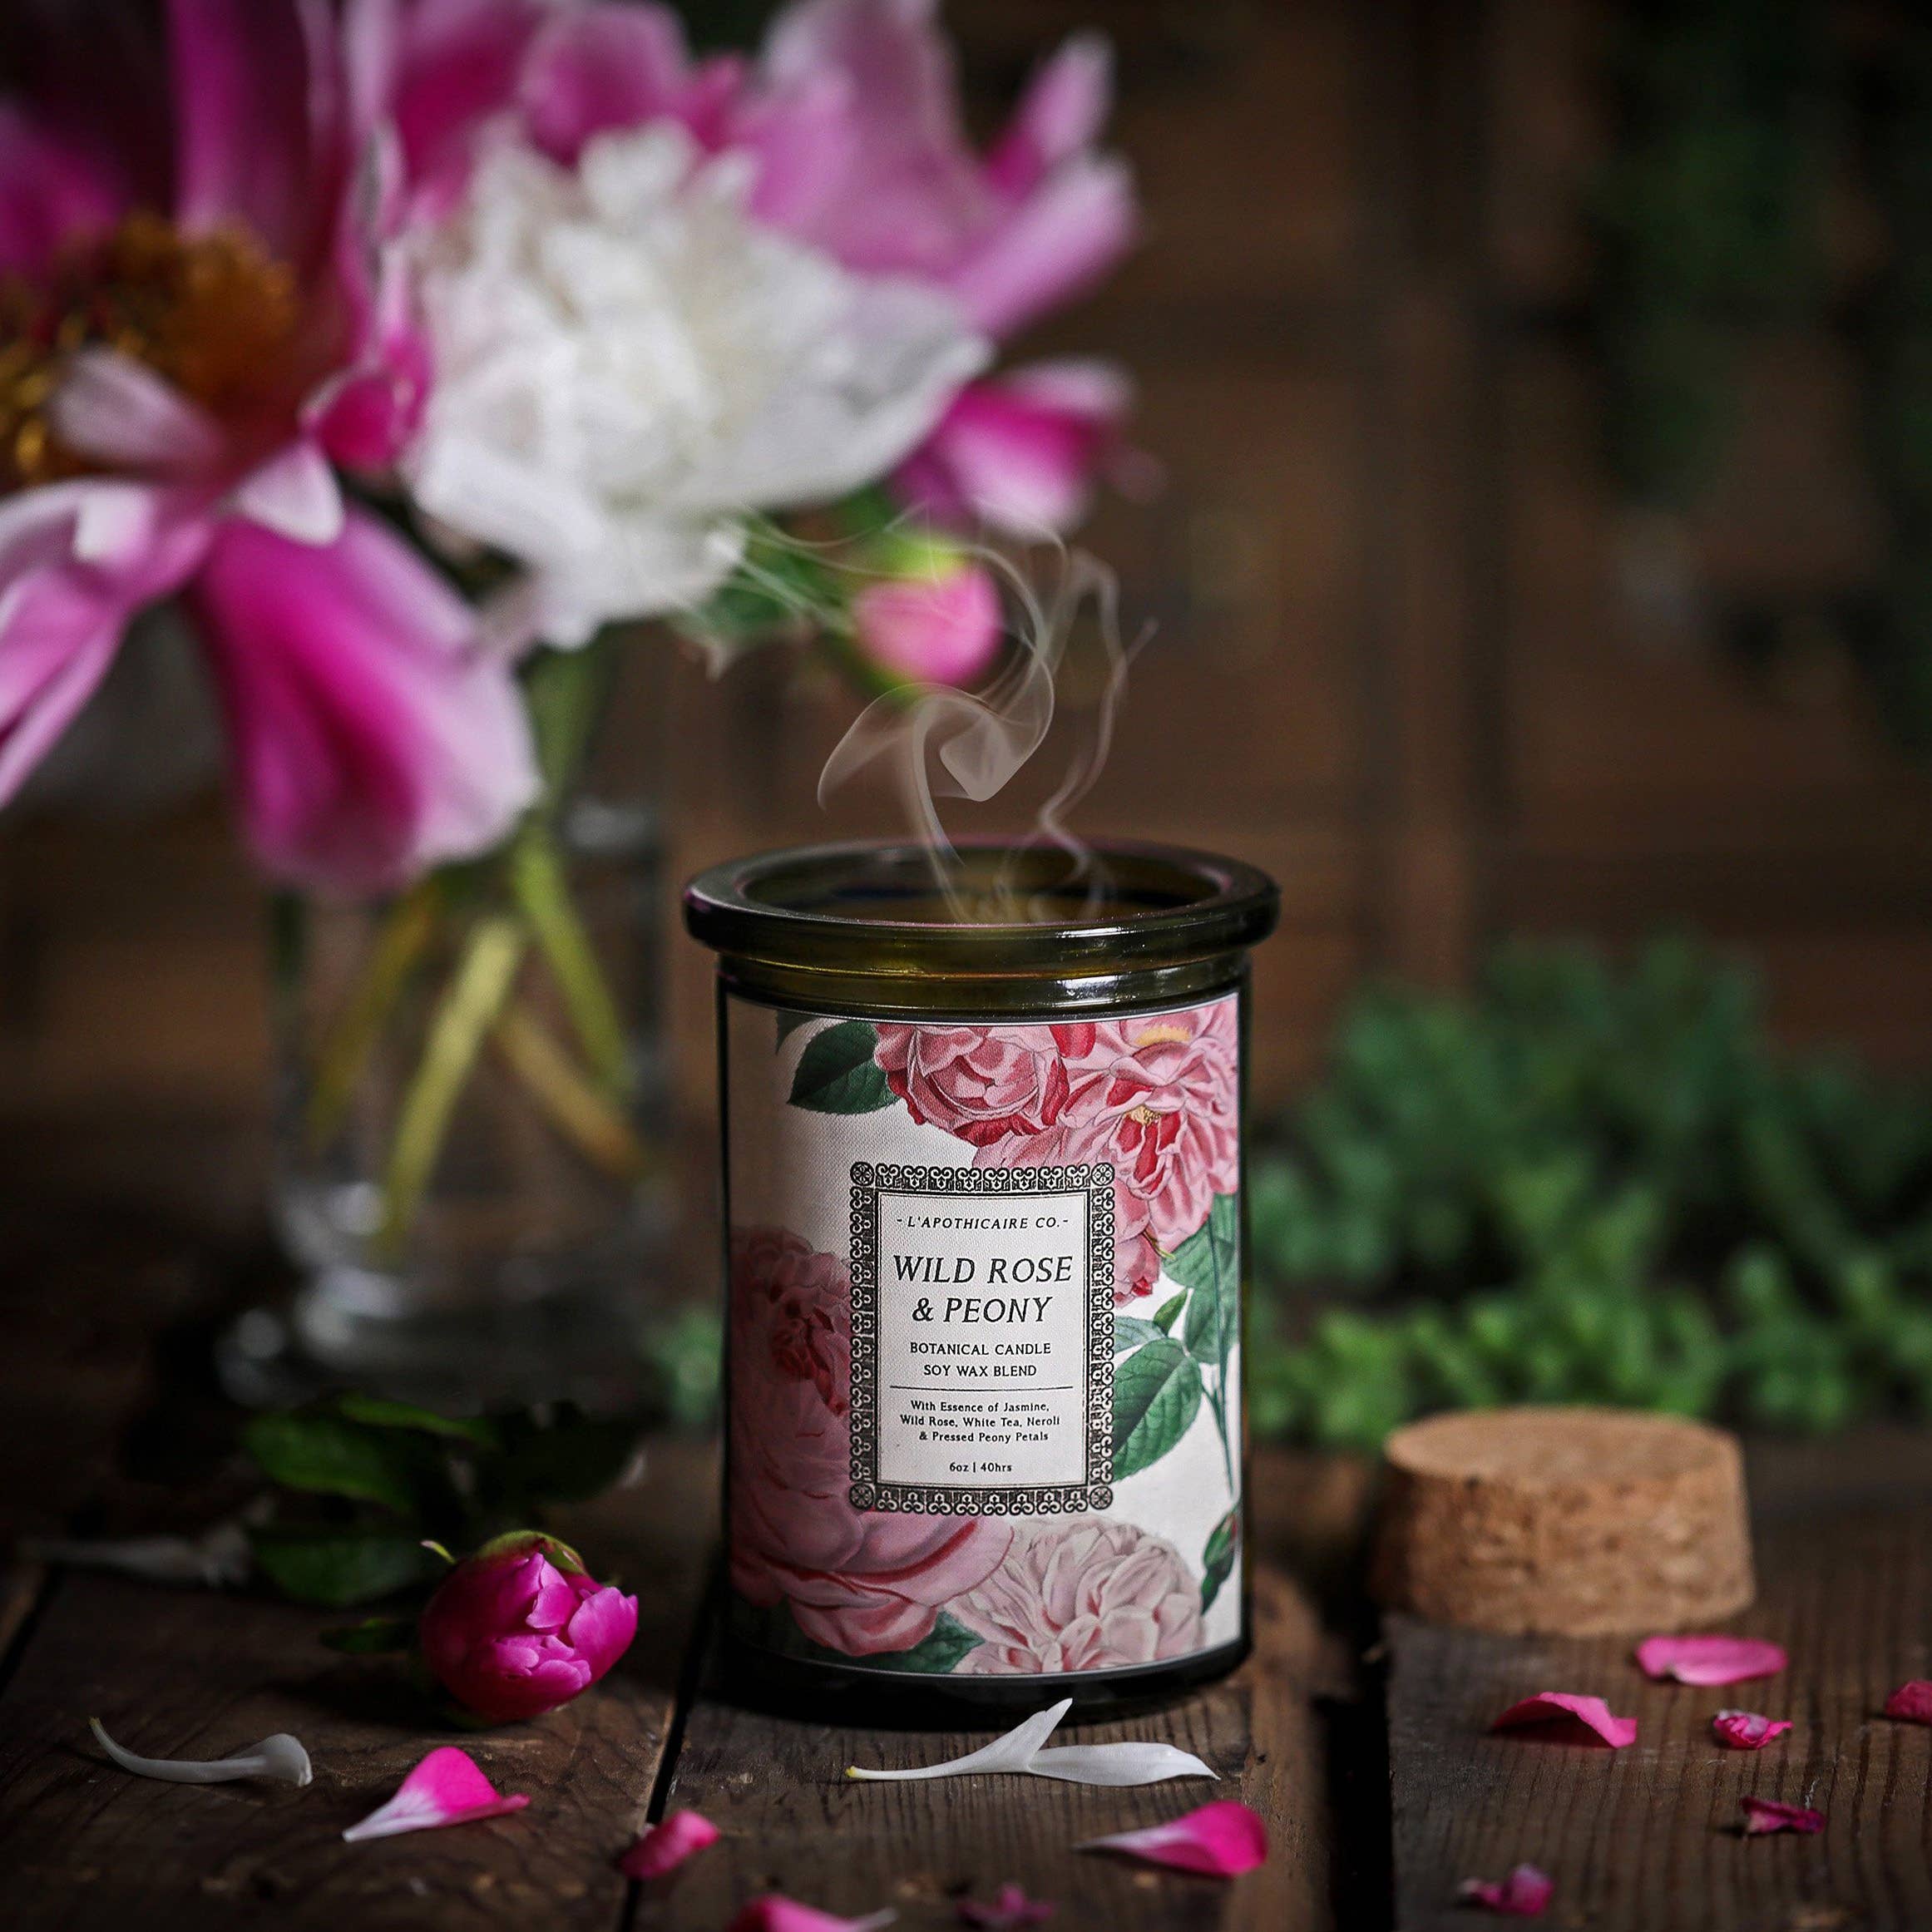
x: 626, y: 363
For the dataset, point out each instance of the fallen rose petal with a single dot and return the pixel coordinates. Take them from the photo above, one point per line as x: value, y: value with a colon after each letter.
x: 280, y: 1757
x: 446, y: 1788
x: 1132, y: 1763
x: 1011, y: 1909
x: 1747, y: 1730
x: 1561, y: 1711
x: 1763, y: 1815
x: 775, y: 1913
x: 1015, y: 1751
x: 1913, y: 1701
x: 1710, y: 1660
x: 665, y: 1846
x: 1524, y: 1893
x: 1222, y: 1839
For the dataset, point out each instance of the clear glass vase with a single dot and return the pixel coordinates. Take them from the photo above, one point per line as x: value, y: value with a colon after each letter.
x: 471, y: 1164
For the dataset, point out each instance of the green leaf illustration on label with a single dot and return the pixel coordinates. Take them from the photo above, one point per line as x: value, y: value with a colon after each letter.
x: 837, y: 1073
x: 1209, y: 1263
x: 1157, y: 1394
x: 1131, y: 1331
x: 789, y: 1023
x: 1218, y: 1559
x: 1168, y: 1313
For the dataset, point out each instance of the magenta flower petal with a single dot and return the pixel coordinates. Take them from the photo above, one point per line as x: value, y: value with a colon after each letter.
x: 1747, y: 1730
x: 245, y: 97
x: 1022, y: 450
x: 371, y: 738
x: 1912, y: 1702
x: 1764, y: 1815
x: 1222, y: 1839
x: 1565, y: 1715
x: 119, y: 412
x: 664, y: 1847
x: 601, y: 67
x: 1710, y: 1660
x: 1063, y: 110
x: 773, y: 1912
x: 446, y: 1788
x: 50, y: 194
x: 1524, y: 1893
x: 1054, y: 246
x: 77, y: 561
x: 1010, y: 1909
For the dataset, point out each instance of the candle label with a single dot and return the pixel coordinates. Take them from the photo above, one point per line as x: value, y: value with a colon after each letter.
x: 984, y: 1339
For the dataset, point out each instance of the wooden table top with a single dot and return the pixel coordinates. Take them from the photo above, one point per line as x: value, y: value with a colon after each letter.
x: 1366, y: 1751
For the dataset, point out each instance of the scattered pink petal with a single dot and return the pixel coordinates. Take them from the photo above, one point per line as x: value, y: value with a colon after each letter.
x: 1523, y: 1895
x: 445, y: 1788
x: 1763, y: 1815
x: 1913, y: 1701
x: 1011, y: 1909
x: 1747, y: 1730
x: 1562, y: 1714
x: 1710, y: 1660
x: 1221, y: 1839
x: 664, y: 1847
x: 775, y: 1913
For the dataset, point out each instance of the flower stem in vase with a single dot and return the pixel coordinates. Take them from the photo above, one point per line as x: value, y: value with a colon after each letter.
x: 484, y: 974
x: 573, y: 1104
x: 407, y: 931
x: 536, y: 877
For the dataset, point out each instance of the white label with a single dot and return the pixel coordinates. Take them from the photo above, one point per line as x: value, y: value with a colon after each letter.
x: 982, y: 1362
x: 982, y: 1338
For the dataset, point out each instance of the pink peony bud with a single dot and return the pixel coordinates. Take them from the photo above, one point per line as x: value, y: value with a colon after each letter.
x: 521, y: 1627
x: 937, y: 624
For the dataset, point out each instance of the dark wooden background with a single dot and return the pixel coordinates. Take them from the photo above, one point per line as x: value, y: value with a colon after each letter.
x: 1392, y: 664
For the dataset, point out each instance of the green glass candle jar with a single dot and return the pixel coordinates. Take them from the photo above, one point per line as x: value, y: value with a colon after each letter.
x: 984, y: 1228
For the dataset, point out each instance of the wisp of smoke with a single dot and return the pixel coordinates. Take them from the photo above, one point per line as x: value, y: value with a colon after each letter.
x: 942, y: 743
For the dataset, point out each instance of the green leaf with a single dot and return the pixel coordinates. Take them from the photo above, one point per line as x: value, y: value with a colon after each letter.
x: 337, y: 1568
x: 1156, y: 1391
x: 329, y: 1455
x: 568, y: 1459
x: 789, y: 1023
x: 1131, y: 1331
x: 1164, y: 1316
x: 373, y: 1637
x: 1209, y: 1261
x: 1218, y: 1559
x: 837, y: 1075
x: 379, y: 1412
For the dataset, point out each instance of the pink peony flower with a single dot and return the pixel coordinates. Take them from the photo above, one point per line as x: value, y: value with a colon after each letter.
x: 862, y: 1584
x: 851, y: 119
x: 204, y: 312
x: 983, y: 1084
x: 521, y: 1627
x: 1082, y: 1596
x: 941, y: 626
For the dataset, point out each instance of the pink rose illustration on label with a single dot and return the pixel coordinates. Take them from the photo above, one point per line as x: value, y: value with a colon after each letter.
x: 1159, y: 1097
x: 1087, y: 1595
x: 985, y: 1083
x: 862, y: 1584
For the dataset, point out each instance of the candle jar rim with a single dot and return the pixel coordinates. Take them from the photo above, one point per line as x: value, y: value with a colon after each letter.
x: 873, y: 907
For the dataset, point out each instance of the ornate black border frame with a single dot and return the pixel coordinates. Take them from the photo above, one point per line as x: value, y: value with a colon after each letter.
x: 869, y: 1180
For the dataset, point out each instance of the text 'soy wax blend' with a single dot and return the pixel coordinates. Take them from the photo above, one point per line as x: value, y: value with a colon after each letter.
x: 983, y: 1167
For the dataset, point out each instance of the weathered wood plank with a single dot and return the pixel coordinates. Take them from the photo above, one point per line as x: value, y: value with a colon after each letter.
x: 1646, y: 1839
x: 194, y: 1674
x: 793, y: 1824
